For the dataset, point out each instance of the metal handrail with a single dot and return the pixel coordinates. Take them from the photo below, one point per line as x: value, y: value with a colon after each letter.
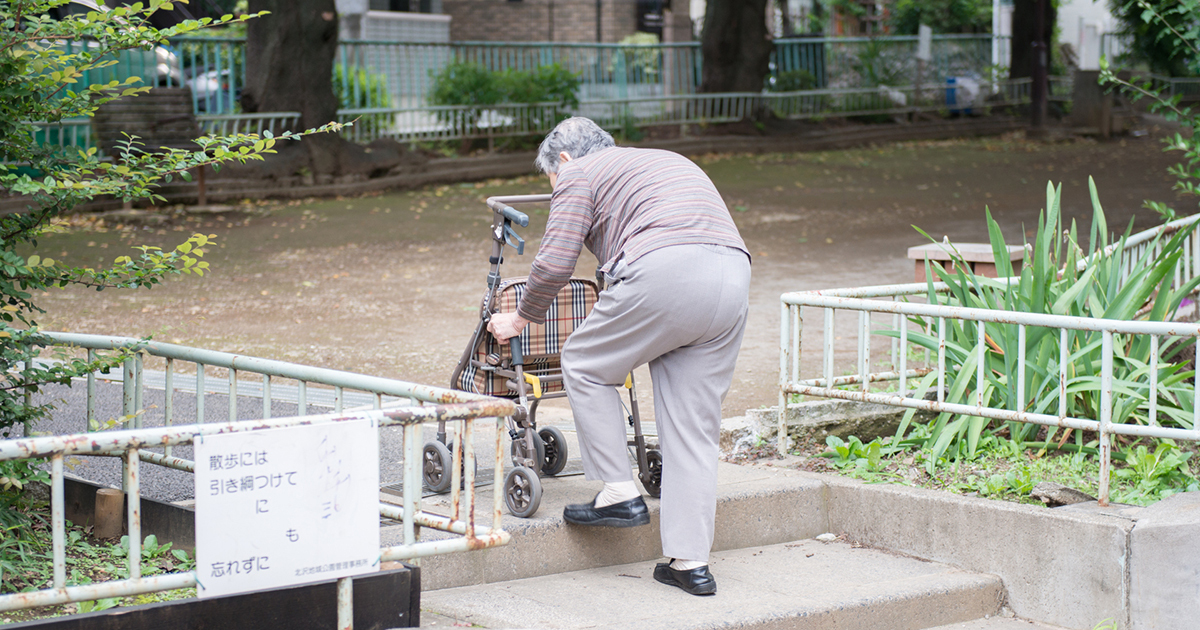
x: 864, y: 300
x: 132, y: 445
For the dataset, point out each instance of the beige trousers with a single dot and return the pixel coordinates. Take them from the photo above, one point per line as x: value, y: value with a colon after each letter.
x: 682, y: 309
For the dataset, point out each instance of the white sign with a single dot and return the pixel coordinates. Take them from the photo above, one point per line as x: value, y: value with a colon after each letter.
x: 286, y: 506
x: 924, y: 43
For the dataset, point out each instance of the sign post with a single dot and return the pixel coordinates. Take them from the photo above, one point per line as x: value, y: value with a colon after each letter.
x: 286, y: 506
x: 924, y: 56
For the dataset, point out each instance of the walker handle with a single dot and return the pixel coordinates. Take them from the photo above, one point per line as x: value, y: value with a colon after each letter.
x: 512, y: 214
x: 515, y: 344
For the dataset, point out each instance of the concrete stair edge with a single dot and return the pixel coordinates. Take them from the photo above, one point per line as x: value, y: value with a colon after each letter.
x: 780, y: 586
x: 758, y: 510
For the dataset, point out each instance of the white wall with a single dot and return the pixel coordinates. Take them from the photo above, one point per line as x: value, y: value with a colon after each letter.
x: 1081, y: 23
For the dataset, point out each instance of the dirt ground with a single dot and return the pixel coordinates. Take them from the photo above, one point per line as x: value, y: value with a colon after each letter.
x: 389, y: 284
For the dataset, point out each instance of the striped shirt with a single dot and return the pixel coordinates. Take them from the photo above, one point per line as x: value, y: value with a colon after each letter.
x: 623, y: 203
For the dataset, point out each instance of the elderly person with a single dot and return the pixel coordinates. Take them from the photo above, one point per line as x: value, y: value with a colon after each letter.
x: 678, y: 277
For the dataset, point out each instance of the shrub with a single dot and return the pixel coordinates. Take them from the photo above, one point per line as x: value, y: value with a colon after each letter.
x: 357, y: 88
x: 641, y: 55
x: 793, y: 81
x: 471, y: 84
x: 1160, y: 31
x: 462, y: 83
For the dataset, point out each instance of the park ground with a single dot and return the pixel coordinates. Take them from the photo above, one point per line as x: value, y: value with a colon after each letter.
x: 390, y: 284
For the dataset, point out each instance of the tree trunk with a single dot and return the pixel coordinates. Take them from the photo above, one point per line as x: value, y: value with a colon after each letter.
x: 1024, y: 21
x: 785, y: 19
x: 735, y: 46
x: 289, y: 67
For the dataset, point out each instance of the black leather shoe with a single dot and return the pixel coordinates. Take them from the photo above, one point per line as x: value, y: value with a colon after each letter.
x: 629, y: 513
x: 698, y: 581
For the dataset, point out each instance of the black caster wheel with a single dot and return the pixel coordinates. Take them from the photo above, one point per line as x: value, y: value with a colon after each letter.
x: 522, y: 492
x: 436, y: 466
x: 652, y: 478
x: 555, y: 451
x: 518, y: 449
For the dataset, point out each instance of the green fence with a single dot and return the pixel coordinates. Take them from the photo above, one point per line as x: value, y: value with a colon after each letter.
x: 153, y: 67
x: 214, y: 67
x: 639, y: 85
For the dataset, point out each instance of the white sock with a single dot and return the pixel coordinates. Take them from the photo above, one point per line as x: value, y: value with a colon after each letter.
x: 687, y: 565
x: 616, y: 492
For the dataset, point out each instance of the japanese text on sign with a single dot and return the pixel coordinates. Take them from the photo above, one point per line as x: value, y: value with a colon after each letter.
x: 284, y: 506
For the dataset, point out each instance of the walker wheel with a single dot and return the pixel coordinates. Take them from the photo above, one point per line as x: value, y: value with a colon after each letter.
x: 436, y: 466
x: 522, y: 492
x: 555, y: 451
x: 652, y: 476
x: 519, y: 454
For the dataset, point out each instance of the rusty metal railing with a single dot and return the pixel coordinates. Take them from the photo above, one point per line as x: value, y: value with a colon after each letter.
x: 134, y: 446
x: 900, y: 366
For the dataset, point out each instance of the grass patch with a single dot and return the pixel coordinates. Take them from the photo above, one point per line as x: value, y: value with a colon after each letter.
x: 1143, y: 472
x: 28, y: 566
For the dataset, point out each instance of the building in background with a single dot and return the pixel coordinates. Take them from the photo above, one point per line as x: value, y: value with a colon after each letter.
x: 419, y: 21
x: 1082, y: 24
x: 548, y: 20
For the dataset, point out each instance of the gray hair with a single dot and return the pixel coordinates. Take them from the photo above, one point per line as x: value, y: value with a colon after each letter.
x: 577, y: 136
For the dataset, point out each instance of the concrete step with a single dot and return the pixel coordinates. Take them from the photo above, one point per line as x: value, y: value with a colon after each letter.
x: 755, y: 506
x: 1029, y: 549
x: 803, y: 584
x: 998, y: 623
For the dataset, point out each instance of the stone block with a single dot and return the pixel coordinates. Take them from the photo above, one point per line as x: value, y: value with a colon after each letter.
x: 737, y: 431
x: 1164, y: 565
x: 1087, y: 100
x: 819, y: 419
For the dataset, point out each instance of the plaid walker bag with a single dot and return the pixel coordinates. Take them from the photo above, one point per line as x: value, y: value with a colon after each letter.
x: 541, y: 344
x: 489, y: 368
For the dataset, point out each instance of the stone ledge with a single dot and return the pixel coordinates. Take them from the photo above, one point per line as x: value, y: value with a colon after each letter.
x: 814, y: 420
x: 1164, y: 565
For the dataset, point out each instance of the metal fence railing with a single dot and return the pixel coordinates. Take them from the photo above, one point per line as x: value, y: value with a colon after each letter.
x: 215, y: 70
x: 885, y: 375
x: 155, y: 430
x: 381, y: 74
x: 871, y: 61
x: 224, y: 124
x: 457, y: 122
x: 1170, y: 87
x: 74, y: 132
x: 443, y: 123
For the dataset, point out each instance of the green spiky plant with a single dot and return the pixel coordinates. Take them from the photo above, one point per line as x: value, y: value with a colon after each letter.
x: 1063, y: 277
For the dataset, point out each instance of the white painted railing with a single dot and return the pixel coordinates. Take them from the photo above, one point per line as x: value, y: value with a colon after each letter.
x: 139, y: 444
x: 892, y: 369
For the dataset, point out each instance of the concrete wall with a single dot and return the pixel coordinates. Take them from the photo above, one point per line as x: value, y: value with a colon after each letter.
x: 1081, y: 23
x: 1073, y: 566
x: 392, y: 26
x: 539, y: 20
x: 1164, y: 565
x: 1065, y: 567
